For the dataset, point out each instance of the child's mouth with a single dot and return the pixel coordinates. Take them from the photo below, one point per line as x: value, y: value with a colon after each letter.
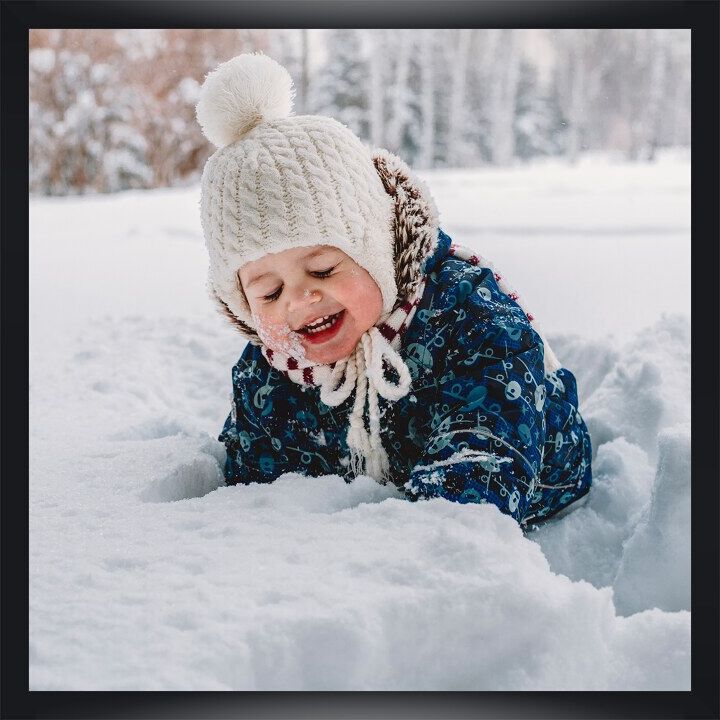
x: 323, y: 329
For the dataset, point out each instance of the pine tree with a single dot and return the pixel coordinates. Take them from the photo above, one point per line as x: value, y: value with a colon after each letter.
x: 426, y: 78
x: 457, y: 106
x: 340, y: 90
x: 537, y: 124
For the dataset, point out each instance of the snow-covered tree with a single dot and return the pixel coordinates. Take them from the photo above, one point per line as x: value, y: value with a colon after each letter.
x: 501, y: 97
x: 398, y: 92
x: 616, y: 88
x: 675, y: 117
x: 378, y: 75
x: 83, y: 125
x: 645, y: 56
x: 290, y: 48
x: 538, y: 124
x: 457, y: 107
x: 340, y: 87
x: 115, y: 109
x: 426, y: 115
x: 442, y: 64
x: 43, y: 118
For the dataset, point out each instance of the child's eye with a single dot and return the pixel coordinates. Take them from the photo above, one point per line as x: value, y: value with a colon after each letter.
x: 324, y: 273
x: 273, y: 296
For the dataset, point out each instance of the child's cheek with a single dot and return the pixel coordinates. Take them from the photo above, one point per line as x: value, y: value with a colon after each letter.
x: 278, y: 336
x: 363, y: 297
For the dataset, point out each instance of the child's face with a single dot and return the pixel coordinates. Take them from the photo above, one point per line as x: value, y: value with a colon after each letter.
x: 293, y: 289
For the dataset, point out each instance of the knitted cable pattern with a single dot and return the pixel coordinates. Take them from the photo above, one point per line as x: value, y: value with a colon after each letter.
x: 249, y: 209
x: 345, y: 203
x: 297, y: 189
x: 358, y: 171
x: 230, y: 220
x: 315, y: 174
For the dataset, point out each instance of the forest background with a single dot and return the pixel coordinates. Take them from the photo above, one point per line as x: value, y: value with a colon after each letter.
x: 115, y: 109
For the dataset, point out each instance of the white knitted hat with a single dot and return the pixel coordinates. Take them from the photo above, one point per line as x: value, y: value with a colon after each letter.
x: 279, y: 181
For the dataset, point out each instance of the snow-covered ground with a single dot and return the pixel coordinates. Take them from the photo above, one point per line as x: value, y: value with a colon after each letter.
x: 146, y: 572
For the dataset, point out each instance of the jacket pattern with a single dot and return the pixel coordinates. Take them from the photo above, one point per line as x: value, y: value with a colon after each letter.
x: 483, y: 421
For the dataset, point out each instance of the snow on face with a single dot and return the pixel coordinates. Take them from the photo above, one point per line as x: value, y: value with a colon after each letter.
x: 292, y: 288
x: 279, y: 337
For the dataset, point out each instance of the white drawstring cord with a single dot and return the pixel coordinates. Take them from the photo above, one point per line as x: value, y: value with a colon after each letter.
x: 364, y: 370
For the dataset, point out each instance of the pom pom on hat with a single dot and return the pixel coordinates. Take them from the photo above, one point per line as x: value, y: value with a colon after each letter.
x: 240, y: 94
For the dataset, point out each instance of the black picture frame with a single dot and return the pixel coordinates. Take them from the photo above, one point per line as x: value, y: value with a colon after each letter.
x: 700, y: 17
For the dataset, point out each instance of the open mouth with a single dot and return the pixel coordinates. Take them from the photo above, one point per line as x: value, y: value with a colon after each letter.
x: 323, y: 328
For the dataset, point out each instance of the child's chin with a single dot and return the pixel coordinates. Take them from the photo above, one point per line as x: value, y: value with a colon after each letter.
x: 330, y: 354
x: 326, y: 356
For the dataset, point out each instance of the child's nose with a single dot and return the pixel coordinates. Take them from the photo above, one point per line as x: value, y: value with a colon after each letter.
x: 303, y: 297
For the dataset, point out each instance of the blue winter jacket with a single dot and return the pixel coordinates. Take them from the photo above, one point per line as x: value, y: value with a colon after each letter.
x: 482, y: 422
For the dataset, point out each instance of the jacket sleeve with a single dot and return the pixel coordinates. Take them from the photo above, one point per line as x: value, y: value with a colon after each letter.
x: 485, y: 432
x: 268, y: 431
x: 254, y: 448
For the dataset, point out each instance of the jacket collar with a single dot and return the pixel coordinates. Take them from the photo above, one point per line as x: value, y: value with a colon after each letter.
x: 442, y: 250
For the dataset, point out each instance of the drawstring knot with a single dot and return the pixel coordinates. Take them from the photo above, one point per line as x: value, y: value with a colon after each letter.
x: 363, y: 370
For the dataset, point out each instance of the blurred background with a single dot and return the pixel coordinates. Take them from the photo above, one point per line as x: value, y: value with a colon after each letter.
x: 112, y: 110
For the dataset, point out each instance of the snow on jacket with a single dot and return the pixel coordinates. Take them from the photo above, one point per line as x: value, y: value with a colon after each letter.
x: 483, y: 422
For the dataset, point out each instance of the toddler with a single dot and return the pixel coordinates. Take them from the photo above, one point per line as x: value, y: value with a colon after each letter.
x: 376, y: 345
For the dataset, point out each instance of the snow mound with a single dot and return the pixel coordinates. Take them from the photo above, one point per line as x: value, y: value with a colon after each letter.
x: 323, y: 494
x: 633, y: 533
x: 315, y: 583
x: 153, y: 429
x: 588, y: 543
x: 655, y: 566
x: 364, y: 591
x: 590, y: 360
x: 654, y: 371
x: 192, y: 479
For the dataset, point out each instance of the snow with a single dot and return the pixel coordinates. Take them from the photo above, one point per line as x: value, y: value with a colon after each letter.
x: 189, y: 90
x: 662, y: 535
x: 42, y: 60
x: 147, y: 573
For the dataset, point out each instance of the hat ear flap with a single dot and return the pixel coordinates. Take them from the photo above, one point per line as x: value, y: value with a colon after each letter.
x: 243, y: 328
x: 416, y: 220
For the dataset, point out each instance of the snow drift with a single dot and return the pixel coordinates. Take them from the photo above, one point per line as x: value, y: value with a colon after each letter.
x: 147, y: 573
